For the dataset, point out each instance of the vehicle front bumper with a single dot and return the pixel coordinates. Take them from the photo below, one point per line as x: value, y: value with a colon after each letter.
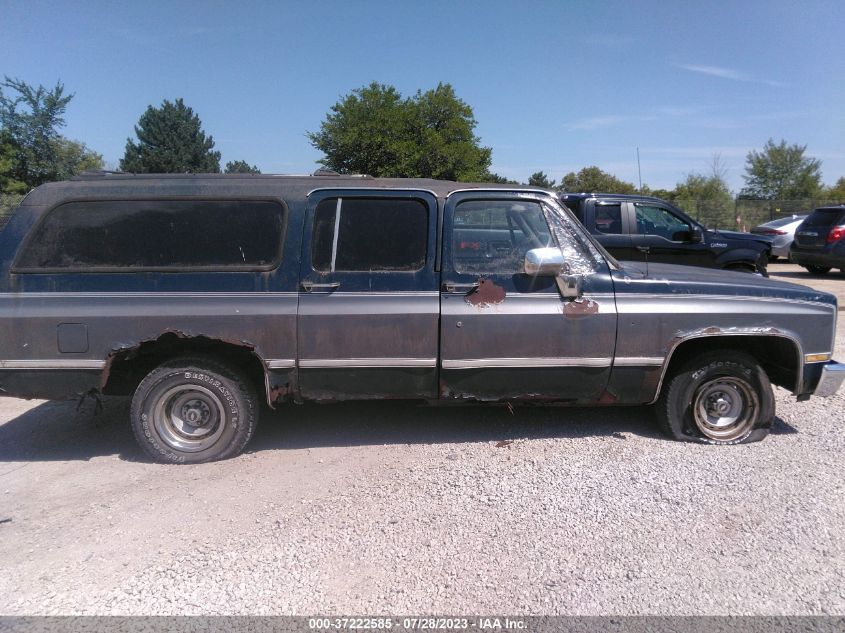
x: 833, y: 374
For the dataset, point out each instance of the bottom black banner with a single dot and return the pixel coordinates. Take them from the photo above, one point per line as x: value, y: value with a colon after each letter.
x: 494, y: 623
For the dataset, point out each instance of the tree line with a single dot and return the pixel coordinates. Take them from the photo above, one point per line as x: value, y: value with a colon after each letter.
x: 372, y: 130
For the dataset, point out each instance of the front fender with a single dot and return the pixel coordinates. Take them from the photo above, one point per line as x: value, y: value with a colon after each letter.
x: 750, y: 256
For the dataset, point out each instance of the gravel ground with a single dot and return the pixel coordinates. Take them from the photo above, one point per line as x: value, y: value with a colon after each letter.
x: 392, y: 508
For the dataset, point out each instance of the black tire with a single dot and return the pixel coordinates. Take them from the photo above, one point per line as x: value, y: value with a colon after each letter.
x: 699, y: 402
x: 818, y: 270
x: 193, y: 410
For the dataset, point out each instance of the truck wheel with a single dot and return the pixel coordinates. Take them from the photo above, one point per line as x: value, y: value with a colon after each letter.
x: 192, y: 410
x: 818, y: 270
x: 721, y: 397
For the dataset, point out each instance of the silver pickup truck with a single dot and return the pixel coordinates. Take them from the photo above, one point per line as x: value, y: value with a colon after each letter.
x: 202, y: 295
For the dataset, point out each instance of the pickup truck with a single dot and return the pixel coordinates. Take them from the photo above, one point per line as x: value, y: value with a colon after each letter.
x: 647, y: 229
x: 199, y: 296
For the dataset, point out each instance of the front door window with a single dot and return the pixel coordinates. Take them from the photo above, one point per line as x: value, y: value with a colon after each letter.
x: 492, y: 237
x: 661, y: 222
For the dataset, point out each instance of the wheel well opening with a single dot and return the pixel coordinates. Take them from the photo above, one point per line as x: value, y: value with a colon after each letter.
x: 126, y: 368
x: 777, y: 355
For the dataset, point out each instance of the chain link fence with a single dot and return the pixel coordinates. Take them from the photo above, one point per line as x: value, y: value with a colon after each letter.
x: 8, y: 203
x: 741, y: 214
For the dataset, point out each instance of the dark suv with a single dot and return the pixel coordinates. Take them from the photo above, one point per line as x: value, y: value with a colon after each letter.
x: 648, y: 229
x: 818, y: 244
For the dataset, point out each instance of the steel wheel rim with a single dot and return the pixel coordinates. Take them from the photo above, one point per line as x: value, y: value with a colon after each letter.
x: 189, y: 418
x: 724, y: 408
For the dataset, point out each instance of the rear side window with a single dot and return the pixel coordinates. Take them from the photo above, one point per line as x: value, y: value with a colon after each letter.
x: 824, y: 217
x: 157, y: 234
x: 609, y: 218
x: 369, y: 234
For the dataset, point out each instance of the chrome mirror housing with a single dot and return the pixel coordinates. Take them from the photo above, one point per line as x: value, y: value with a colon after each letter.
x: 544, y: 262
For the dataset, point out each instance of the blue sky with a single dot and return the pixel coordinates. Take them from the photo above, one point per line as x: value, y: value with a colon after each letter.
x: 555, y: 86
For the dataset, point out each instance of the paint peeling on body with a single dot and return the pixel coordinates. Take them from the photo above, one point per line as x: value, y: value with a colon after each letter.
x: 580, y: 307
x: 486, y: 294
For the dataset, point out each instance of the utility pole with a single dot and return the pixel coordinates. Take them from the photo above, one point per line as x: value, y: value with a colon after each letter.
x: 639, y: 171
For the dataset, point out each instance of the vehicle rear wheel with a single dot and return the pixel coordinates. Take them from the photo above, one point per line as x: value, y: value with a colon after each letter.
x: 818, y: 270
x: 721, y: 397
x: 193, y: 410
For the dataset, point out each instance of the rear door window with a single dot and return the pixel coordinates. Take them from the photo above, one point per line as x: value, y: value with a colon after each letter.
x: 369, y: 234
x: 609, y: 218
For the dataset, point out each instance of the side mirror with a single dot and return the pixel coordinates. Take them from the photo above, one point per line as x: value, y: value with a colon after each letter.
x: 543, y: 262
x: 696, y: 235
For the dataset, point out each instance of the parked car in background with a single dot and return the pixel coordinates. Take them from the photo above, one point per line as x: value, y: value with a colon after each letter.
x: 782, y: 232
x: 818, y: 244
x: 650, y: 230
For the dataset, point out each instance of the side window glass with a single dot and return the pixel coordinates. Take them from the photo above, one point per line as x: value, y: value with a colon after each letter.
x: 158, y: 235
x: 609, y: 218
x: 369, y: 234
x: 492, y: 236
x: 658, y: 221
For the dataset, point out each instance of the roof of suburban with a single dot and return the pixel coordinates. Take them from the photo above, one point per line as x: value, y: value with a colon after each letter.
x: 99, y: 184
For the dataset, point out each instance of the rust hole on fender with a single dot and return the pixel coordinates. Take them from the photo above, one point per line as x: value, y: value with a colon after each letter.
x: 487, y: 293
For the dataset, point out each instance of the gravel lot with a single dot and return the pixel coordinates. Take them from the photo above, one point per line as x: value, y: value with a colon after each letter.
x: 394, y: 508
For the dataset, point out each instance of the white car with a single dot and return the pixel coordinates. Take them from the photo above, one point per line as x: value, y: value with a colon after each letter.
x: 782, y: 232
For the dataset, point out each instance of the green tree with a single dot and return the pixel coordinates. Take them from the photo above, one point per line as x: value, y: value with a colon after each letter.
x: 594, y: 180
x: 496, y: 178
x: 9, y: 170
x: 374, y: 130
x: 663, y: 194
x: 781, y: 172
x: 701, y: 187
x: 837, y: 191
x: 170, y: 140
x: 32, y: 151
x: 240, y: 167
x: 74, y: 157
x: 699, y: 193
x: 540, y: 179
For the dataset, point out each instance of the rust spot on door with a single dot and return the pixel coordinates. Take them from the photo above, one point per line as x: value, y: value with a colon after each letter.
x: 487, y: 293
x: 580, y: 307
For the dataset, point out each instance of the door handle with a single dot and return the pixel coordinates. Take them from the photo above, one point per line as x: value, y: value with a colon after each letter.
x: 453, y: 287
x: 310, y: 286
x: 644, y: 249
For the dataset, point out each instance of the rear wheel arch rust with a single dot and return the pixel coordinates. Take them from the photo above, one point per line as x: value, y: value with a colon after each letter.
x: 127, y: 366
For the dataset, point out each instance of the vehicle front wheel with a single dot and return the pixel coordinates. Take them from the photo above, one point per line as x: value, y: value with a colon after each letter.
x: 818, y: 270
x: 192, y: 410
x: 721, y: 397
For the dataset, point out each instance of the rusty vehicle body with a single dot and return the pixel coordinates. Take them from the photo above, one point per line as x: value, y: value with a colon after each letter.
x: 364, y: 288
